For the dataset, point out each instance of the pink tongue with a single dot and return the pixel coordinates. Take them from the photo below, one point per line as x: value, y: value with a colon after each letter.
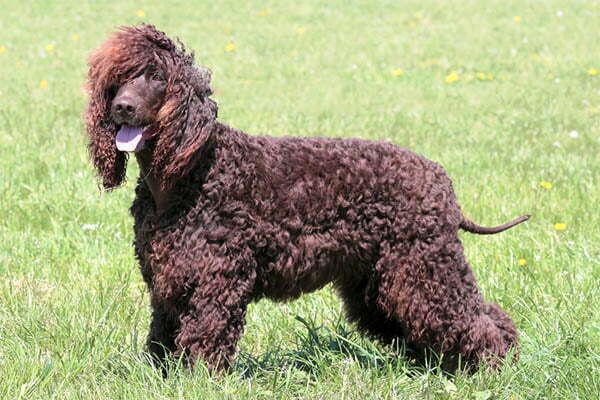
x: 130, y: 138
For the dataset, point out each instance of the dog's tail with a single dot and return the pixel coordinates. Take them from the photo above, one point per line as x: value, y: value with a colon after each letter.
x: 472, y: 227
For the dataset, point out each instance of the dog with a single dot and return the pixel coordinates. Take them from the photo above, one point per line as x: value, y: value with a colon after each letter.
x: 222, y: 218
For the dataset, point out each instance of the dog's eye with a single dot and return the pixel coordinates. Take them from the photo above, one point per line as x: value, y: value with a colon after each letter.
x: 112, y: 91
x: 157, y: 76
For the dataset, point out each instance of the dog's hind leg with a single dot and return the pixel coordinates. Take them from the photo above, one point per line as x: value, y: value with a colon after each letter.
x: 360, y: 303
x: 429, y: 286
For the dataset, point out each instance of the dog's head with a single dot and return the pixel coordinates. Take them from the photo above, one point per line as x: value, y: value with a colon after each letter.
x: 146, y: 94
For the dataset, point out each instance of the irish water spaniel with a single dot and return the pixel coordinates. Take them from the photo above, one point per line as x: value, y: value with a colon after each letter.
x: 223, y: 219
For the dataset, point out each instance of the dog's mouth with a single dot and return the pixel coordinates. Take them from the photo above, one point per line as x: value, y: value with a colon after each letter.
x: 130, y: 138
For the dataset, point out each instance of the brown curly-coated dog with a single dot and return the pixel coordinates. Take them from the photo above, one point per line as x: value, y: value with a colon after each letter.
x: 223, y: 218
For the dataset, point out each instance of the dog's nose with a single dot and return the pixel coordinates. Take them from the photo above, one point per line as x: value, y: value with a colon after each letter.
x: 124, y: 108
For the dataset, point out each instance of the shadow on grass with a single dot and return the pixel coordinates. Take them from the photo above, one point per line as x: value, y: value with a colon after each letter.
x: 316, y: 350
x: 319, y: 347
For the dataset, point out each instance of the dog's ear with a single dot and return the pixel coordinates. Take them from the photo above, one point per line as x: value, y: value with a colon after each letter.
x: 109, y: 162
x: 199, y: 78
x: 187, y: 120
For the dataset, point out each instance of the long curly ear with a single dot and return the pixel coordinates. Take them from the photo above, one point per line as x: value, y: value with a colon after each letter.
x: 199, y: 79
x: 187, y: 122
x: 109, y: 162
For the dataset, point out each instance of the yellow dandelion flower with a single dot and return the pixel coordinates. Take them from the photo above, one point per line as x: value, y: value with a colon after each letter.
x: 412, y: 24
x: 264, y: 13
x: 75, y: 37
x: 2, y: 49
x: 49, y: 47
x: 230, y: 47
x: 517, y: 19
x: 481, y: 76
x: 418, y: 15
x: 300, y: 31
x: 452, y: 77
x: 43, y: 84
x: 539, y: 58
x: 522, y: 262
x: 489, y: 76
x: 593, y: 71
x: 559, y: 226
x: 397, y: 72
x: 140, y: 13
x: 546, y: 185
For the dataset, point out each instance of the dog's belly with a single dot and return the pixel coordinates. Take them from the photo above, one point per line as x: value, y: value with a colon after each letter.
x: 308, y: 264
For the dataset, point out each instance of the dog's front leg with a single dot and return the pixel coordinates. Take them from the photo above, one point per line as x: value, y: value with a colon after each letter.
x: 163, y: 329
x: 213, y: 320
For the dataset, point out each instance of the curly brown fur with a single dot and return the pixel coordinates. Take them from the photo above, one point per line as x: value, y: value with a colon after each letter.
x: 223, y: 219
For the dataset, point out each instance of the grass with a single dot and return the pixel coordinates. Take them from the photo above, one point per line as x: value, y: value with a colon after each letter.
x: 73, y: 309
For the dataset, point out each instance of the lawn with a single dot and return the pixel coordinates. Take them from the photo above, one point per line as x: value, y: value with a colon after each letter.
x: 504, y: 94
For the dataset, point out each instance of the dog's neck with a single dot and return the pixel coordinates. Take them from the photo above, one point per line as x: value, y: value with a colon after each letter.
x: 162, y: 198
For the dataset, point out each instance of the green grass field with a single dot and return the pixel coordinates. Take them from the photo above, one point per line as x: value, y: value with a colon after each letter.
x: 504, y: 94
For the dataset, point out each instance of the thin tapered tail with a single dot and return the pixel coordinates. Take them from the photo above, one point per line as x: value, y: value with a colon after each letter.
x: 472, y: 227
